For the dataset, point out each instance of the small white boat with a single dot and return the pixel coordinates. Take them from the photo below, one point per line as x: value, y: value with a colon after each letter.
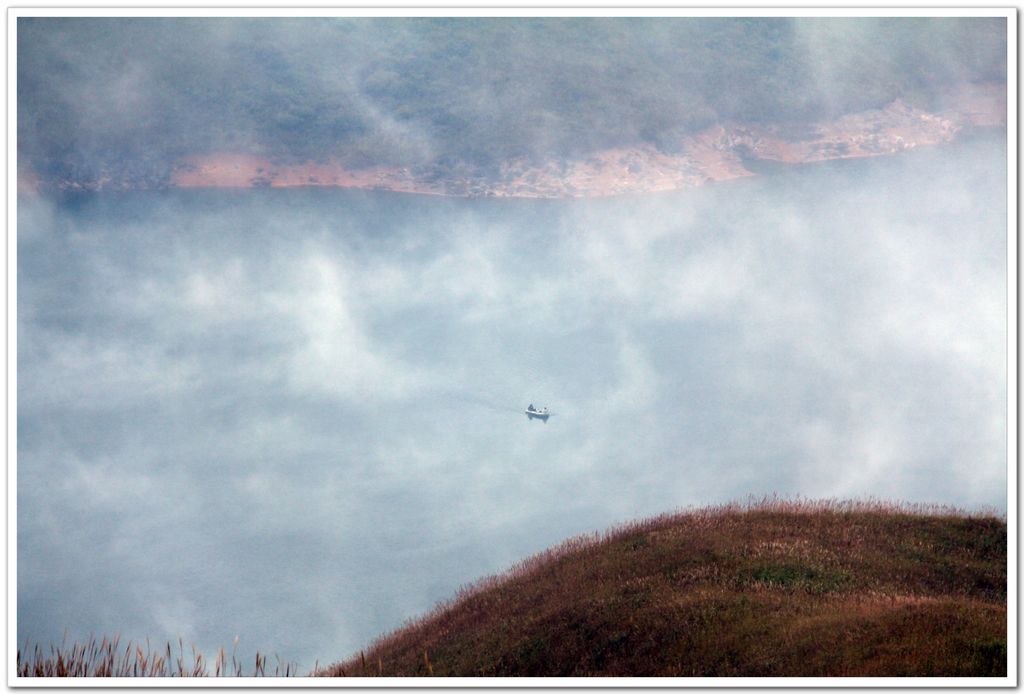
x: 538, y: 413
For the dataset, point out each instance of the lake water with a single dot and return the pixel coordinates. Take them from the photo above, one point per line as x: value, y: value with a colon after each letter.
x: 295, y: 416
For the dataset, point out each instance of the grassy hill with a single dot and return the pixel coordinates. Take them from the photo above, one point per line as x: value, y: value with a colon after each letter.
x: 769, y: 589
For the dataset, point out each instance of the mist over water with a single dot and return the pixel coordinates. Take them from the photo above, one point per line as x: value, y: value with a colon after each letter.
x: 296, y: 415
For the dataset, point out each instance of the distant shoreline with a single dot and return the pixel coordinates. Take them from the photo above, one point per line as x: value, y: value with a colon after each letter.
x: 760, y: 169
x: 720, y: 153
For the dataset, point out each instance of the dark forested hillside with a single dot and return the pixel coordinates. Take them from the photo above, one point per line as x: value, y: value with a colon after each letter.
x: 126, y: 98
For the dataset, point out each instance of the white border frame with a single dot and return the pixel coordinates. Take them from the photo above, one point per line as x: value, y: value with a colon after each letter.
x: 416, y: 8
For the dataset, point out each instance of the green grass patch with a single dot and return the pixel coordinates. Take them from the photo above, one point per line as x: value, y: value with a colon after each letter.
x: 797, y: 577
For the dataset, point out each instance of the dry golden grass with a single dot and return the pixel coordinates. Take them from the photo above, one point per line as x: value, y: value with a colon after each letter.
x: 107, y: 658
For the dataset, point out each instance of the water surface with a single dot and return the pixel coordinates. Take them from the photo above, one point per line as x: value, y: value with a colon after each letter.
x: 295, y: 415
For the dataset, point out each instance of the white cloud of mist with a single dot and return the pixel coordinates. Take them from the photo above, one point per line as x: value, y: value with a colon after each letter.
x: 335, y: 357
x: 296, y: 416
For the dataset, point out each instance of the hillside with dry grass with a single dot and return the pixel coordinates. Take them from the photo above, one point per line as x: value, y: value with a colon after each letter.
x: 767, y: 589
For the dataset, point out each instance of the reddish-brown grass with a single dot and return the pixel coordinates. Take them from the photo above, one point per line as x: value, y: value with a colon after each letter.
x: 769, y: 588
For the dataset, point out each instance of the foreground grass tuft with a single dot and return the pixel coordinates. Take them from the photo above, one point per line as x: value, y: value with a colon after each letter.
x: 108, y: 658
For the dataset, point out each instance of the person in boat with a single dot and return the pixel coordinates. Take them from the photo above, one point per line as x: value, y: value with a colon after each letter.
x: 531, y: 408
